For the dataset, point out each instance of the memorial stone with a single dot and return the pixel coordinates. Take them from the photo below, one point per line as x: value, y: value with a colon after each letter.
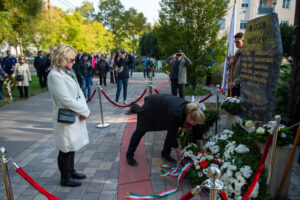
x: 261, y: 59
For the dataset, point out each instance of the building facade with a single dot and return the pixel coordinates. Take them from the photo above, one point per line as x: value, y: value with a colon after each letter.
x: 250, y: 9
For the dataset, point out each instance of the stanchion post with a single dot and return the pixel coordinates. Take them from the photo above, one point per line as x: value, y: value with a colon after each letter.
x: 5, y: 174
x: 150, y: 85
x: 273, y: 149
x: 102, y: 124
x: 217, y: 106
x: 213, y: 183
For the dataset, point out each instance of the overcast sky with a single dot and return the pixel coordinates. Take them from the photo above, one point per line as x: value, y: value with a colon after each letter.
x: 149, y: 8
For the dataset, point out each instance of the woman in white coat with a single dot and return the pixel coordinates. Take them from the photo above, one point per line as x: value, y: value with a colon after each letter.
x: 66, y: 93
x: 23, y: 77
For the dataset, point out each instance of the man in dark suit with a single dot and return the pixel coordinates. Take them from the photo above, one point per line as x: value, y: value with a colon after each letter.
x: 166, y: 112
x: 9, y: 63
x: 40, y: 67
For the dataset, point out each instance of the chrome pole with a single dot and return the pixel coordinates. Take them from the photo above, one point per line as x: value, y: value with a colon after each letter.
x: 217, y: 106
x: 213, y: 183
x: 5, y: 174
x: 101, y: 125
x: 150, y: 85
x: 273, y: 149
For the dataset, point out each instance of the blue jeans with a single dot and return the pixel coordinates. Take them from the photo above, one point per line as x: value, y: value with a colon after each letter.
x: 146, y: 72
x: 120, y: 82
x: 86, y: 83
x: 131, y: 70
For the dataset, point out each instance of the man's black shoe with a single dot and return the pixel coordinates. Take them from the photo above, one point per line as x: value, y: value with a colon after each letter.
x: 70, y: 182
x: 169, y: 159
x: 131, y: 161
x: 77, y: 175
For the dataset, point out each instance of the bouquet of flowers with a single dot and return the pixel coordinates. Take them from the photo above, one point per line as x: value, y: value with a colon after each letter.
x: 10, y: 81
x: 260, y: 134
x: 231, y: 105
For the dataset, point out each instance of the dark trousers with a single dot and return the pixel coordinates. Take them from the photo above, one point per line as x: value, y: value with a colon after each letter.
x: 113, y: 77
x: 1, y: 93
x: 65, y: 163
x: 135, y: 140
x: 43, y: 79
x: 102, y: 79
x: 175, y: 86
x: 236, y: 91
x: 20, y: 88
x: 146, y: 72
x: 120, y: 82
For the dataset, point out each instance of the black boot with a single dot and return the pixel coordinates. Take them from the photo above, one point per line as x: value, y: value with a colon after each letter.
x: 69, y: 182
x: 73, y: 173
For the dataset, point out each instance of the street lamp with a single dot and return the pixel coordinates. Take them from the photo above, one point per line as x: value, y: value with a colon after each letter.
x: 274, y: 4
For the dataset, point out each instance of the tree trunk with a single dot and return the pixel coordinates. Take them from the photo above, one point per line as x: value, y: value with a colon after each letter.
x: 21, y: 46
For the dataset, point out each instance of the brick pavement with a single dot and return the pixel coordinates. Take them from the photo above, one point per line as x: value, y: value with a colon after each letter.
x: 36, y: 152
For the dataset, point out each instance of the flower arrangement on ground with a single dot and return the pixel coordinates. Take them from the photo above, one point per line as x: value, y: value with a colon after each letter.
x: 236, y: 156
x: 231, y: 105
x: 10, y: 81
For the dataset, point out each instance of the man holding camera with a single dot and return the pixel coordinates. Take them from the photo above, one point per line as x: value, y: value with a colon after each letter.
x: 179, y: 62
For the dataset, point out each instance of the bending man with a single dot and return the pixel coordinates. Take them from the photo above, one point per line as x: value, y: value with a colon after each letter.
x: 166, y: 112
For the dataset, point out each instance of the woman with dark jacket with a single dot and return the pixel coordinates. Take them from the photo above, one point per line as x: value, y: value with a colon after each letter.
x: 2, y: 78
x: 101, y: 69
x: 166, y: 112
x: 85, y: 72
x: 122, y: 61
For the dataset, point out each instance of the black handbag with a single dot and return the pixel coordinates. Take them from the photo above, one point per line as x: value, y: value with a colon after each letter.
x: 20, y: 77
x: 66, y: 116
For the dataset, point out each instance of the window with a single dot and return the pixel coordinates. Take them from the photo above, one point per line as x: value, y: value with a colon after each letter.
x: 245, y: 3
x: 243, y: 24
x: 263, y: 4
x: 284, y: 22
x: 222, y: 24
x: 286, y: 3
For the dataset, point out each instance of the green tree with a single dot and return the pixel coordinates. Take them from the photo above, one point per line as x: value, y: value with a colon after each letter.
x: 148, y: 45
x: 192, y: 25
x: 286, y: 37
x: 87, y: 10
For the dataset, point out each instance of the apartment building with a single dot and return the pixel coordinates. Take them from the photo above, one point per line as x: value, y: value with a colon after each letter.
x: 250, y: 9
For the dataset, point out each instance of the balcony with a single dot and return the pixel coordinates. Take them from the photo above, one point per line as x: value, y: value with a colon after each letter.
x: 265, y: 10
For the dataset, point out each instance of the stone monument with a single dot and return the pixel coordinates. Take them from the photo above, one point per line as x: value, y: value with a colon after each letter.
x: 261, y: 59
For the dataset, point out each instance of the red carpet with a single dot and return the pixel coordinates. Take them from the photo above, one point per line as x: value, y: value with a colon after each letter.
x: 134, y: 179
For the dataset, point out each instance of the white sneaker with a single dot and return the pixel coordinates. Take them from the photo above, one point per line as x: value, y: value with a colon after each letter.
x: 125, y: 102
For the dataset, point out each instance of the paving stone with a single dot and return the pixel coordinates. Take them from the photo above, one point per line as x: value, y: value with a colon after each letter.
x: 108, y: 195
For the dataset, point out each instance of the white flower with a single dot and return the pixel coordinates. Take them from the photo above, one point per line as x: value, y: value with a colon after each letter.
x: 214, y: 149
x: 283, y: 135
x: 229, y: 173
x: 228, y: 188
x: 248, y: 124
x: 239, y: 182
x: 242, y: 148
x: 254, y: 194
x: 238, y: 101
x: 200, y: 174
x: 205, y: 171
x: 260, y: 130
x: 239, y: 197
x: 197, y: 167
x: 223, y: 137
x: 208, y: 144
x: 214, y: 165
x: 246, y: 171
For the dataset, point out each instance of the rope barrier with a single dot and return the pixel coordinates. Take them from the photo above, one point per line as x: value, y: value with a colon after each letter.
x: 121, y: 106
x: 155, y: 90
x: 36, y: 185
x: 90, y: 99
x: 205, y: 98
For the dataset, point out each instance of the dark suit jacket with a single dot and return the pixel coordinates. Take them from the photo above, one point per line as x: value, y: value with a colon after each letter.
x: 40, y: 65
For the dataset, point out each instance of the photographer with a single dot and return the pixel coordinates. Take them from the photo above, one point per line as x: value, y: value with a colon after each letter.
x: 178, y: 61
x: 123, y: 62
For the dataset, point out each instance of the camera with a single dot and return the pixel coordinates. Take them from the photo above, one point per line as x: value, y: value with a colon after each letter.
x: 178, y: 54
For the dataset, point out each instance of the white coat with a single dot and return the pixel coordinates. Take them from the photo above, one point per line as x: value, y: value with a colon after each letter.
x: 22, y: 70
x: 66, y: 93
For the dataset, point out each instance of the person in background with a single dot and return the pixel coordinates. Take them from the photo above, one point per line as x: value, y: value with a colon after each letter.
x: 145, y: 64
x: 9, y: 63
x: 132, y: 64
x: 66, y: 93
x: 112, y: 71
x: 123, y: 61
x: 179, y: 62
x: 23, y: 77
x: 2, y: 78
x: 166, y: 112
x: 40, y: 67
x: 101, y: 69
x: 152, y: 66
x: 236, y: 63
x: 78, y: 56
x: 85, y: 71
x: 48, y: 63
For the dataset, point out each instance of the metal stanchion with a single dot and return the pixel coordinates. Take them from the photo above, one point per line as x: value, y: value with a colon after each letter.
x: 217, y: 106
x: 213, y: 183
x: 150, y: 85
x: 5, y: 174
x: 101, y: 125
x: 273, y: 149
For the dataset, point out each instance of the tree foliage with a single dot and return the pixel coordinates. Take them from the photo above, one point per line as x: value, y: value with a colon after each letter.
x: 87, y: 10
x: 192, y: 25
x: 286, y: 37
x: 148, y: 45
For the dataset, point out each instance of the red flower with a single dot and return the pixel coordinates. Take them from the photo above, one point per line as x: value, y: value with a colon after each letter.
x: 204, y: 164
x: 9, y: 78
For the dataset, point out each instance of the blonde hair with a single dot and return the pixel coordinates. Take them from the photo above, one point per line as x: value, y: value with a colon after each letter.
x: 60, y: 55
x: 196, y: 114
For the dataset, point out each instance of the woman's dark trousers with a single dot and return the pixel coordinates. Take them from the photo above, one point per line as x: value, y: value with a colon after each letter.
x: 20, y: 88
x: 65, y: 163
